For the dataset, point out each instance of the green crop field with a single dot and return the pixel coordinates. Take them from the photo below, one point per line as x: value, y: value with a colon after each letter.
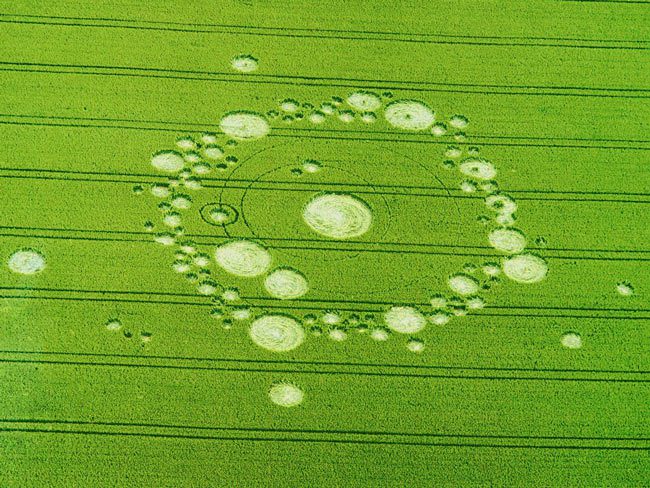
x: 311, y: 243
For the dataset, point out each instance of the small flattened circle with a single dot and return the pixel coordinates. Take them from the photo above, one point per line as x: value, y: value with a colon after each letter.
x: 511, y: 241
x: 168, y: 161
x: 26, y: 262
x: 338, y: 216
x: 525, y: 268
x: 478, y: 168
x: 244, y: 125
x: 405, y: 320
x: 285, y: 394
x: 277, y: 333
x: 219, y: 214
x: 286, y: 284
x: 243, y: 258
x: 364, y: 101
x: 409, y: 115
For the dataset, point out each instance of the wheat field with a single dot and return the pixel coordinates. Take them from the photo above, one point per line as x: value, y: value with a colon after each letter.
x: 321, y: 244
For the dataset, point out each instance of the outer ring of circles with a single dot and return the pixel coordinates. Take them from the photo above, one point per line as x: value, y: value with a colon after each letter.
x: 407, y: 115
